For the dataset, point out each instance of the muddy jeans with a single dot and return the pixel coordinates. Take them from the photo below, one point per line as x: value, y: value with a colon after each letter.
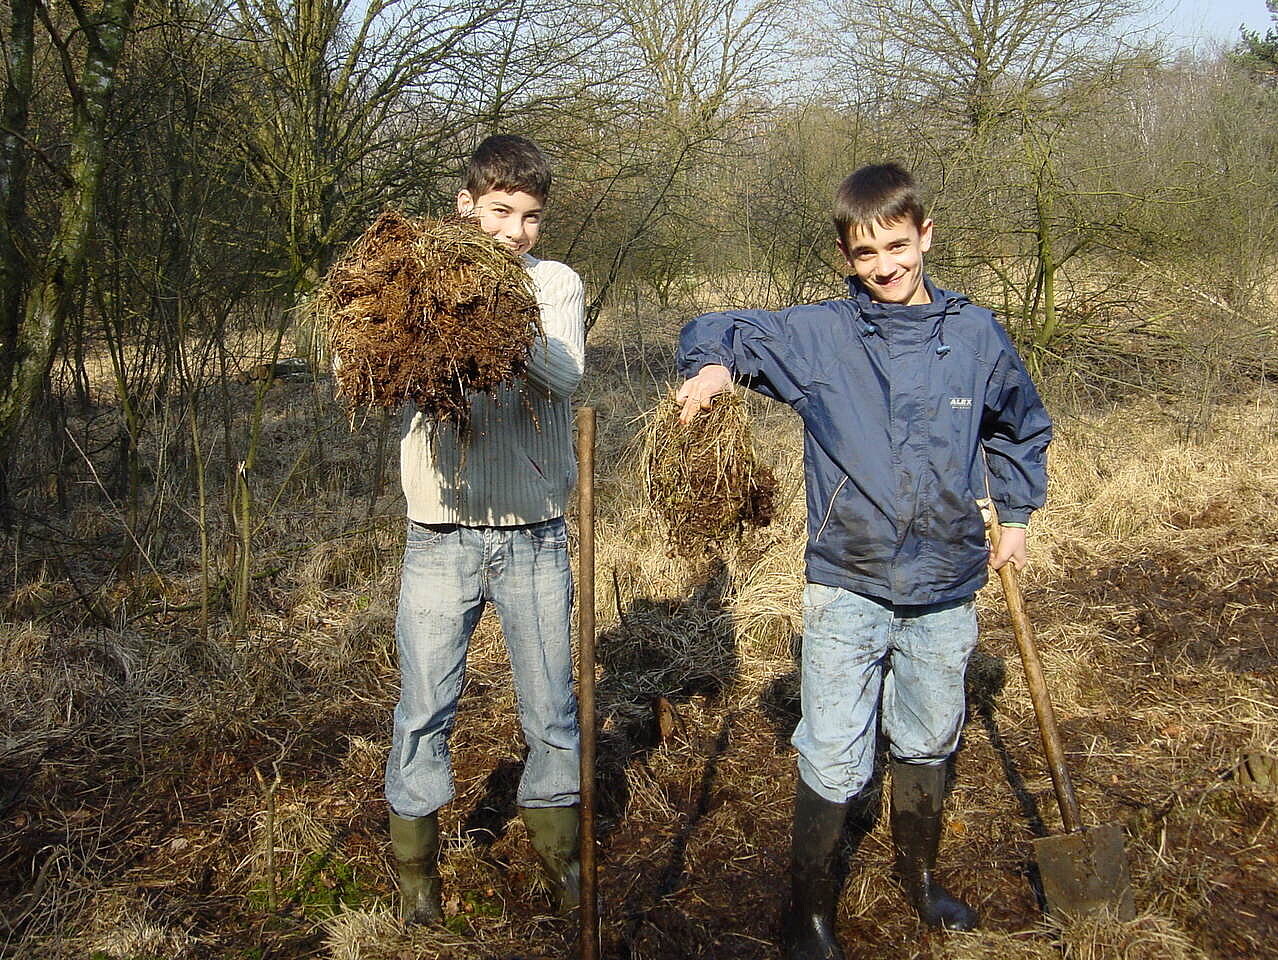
x: 450, y: 573
x: 859, y: 653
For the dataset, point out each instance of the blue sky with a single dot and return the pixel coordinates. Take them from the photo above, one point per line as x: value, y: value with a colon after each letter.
x: 1214, y: 19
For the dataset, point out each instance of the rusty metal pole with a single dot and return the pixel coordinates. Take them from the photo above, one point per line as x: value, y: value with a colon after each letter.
x: 586, y: 678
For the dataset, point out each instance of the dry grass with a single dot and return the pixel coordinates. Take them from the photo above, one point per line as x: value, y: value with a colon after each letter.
x: 133, y: 820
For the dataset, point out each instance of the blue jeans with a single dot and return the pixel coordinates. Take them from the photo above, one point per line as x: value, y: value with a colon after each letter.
x: 858, y: 652
x: 450, y: 573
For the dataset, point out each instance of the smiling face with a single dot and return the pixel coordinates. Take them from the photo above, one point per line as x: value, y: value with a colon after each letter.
x: 889, y: 259
x: 514, y: 219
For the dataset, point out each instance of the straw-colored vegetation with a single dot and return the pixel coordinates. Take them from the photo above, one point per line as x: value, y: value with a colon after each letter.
x: 426, y: 310
x: 171, y: 795
x: 703, y: 478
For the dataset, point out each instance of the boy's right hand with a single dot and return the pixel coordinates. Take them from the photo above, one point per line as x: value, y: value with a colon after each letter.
x: 697, y: 392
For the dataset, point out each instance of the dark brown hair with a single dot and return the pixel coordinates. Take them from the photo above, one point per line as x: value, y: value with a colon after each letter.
x: 878, y: 194
x: 510, y: 163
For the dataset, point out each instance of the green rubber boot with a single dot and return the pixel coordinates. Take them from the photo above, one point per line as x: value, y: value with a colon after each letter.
x: 415, y: 844
x: 555, y: 834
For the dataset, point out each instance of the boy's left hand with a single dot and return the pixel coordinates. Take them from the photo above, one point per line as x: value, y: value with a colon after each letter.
x: 1011, y: 546
x: 697, y: 392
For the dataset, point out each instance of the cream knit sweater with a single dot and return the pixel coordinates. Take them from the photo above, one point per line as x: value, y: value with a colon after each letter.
x: 517, y: 465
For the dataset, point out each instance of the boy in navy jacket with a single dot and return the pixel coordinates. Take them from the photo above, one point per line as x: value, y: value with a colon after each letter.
x: 911, y: 397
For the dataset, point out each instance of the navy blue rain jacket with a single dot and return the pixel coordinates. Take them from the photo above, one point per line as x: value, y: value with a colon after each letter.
x: 899, y: 403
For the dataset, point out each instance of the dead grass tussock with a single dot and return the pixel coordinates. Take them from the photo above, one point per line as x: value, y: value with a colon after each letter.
x: 1150, y: 936
x: 1076, y: 676
x: 767, y: 614
x: 994, y: 945
x: 124, y: 929
x: 28, y: 600
x: 379, y: 935
x: 1132, y: 476
x: 704, y: 479
x: 22, y: 645
x: 365, y: 935
x: 360, y: 650
x: 296, y: 831
x: 428, y: 311
x: 361, y: 556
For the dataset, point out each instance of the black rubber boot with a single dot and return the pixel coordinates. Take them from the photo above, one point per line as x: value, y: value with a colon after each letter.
x: 807, y: 930
x: 555, y: 833
x: 918, y: 791
x: 415, y: 844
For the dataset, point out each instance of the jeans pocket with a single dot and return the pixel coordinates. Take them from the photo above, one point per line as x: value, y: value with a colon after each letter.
x: 422, y: 536
x: 818, y: 596
x: 552, y: 534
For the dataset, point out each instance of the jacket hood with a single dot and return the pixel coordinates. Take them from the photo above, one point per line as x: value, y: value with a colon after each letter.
x: 908, y: 320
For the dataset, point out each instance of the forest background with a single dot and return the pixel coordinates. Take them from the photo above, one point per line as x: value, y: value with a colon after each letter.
x: 183, y: 530
x: 171, y: 175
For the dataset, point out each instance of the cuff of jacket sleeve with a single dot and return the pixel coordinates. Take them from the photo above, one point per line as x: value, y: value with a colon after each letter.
x: 691, y: 366
x: 1019, y: 526
x: 1013, y: 518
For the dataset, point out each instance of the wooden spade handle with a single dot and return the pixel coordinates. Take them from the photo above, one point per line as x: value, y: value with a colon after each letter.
x: 588, y: 913
x: 1043, y: 711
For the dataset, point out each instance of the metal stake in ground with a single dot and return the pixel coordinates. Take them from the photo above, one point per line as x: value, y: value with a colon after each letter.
x: 586, y: 679
x: 1085, y: 870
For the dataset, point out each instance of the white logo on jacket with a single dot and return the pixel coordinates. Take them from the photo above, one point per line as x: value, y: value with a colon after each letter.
x: 960, y: 403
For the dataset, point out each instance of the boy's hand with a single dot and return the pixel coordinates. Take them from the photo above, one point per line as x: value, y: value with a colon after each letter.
x: 1011, y: 546
x: 697, y: 392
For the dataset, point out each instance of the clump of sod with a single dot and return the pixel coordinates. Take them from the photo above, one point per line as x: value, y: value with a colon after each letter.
x: 703, y: 479
x: 427, y: 310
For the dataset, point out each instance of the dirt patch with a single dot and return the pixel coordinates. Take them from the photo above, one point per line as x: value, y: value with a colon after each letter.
x: 1173, y: 606
x: 1234, y: 834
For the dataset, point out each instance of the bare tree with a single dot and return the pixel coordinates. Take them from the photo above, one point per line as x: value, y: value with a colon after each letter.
x: 56, y: 274
x: 998, y: 91
x: 983, y: 61
x: 686, y: 79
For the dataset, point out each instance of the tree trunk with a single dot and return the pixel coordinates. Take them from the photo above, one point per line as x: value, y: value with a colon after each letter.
x: 13, y: 175
x: 43, y: 316
x: 1047, y: 266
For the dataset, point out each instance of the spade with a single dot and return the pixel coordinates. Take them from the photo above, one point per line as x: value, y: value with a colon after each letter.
x: 1084, y: 870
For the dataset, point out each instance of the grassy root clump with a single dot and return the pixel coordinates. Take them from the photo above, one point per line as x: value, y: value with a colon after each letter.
x: 703, y: 478
x: 427, y: 310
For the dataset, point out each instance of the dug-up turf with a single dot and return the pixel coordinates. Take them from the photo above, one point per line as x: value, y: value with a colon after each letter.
x: 704, y: 479
x: 428, y: 311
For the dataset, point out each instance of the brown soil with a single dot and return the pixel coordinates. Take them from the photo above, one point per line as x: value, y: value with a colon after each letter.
x: 1169, y: 607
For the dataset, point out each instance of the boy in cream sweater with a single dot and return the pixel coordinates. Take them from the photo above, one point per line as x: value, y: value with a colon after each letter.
x: 485, y: 523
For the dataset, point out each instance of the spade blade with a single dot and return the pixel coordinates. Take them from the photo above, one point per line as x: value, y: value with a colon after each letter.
x: 1085, y: 873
